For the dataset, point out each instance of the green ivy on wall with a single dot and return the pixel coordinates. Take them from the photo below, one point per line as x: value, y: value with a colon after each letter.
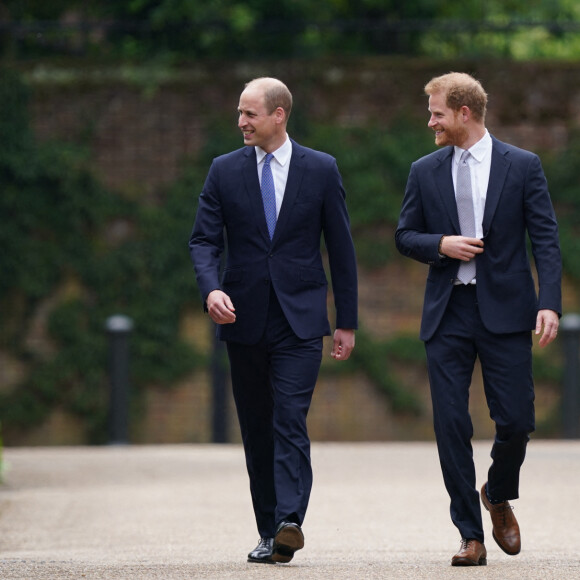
x: 89, y: 253
x: 76, y: 253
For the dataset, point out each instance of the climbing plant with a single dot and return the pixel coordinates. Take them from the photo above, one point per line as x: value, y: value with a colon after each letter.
x: 76, y: 253
x: 72, y: 253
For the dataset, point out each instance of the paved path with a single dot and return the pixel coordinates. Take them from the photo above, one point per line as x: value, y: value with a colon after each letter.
x: 172, y: 512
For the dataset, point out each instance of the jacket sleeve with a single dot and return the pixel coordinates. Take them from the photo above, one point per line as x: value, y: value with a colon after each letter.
x: 543, y: 233
x: 412, y: 237
x: 206, y: 243
x: 341, y: 252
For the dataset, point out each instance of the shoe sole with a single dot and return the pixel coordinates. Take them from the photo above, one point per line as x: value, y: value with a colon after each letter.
x: 260, y: 561
x: 287, y: 541
x: 467, y: 562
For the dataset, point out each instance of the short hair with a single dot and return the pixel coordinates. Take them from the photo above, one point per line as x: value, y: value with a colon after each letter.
x: 276, y: 94
x: 460, y: 89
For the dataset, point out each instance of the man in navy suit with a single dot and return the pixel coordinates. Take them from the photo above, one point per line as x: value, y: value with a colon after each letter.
x: 270, y: 304
x: 491, y: 310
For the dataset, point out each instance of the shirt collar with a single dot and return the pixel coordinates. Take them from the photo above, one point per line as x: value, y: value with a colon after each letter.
x: 477, y: 151
x: 281, y: 155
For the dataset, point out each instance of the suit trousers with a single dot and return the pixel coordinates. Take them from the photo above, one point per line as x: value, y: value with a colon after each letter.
x: 273, y: 382
x: 506, y: 363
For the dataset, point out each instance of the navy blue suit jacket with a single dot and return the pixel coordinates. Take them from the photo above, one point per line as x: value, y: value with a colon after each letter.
x: 231, y: 211
x: 517, y: 203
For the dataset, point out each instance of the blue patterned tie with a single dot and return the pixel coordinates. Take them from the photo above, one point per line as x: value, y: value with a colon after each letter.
x: 269, y: 195
x: 466, y: 214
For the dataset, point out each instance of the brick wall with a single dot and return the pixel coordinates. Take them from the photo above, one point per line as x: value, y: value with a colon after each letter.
x: 138, y: 137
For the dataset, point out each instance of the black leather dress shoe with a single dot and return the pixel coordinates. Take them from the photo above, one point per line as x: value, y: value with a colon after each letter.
x: 262, y: 553
x: 288, y: 539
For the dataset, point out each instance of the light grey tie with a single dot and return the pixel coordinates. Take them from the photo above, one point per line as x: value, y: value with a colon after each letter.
x: 464, y: 199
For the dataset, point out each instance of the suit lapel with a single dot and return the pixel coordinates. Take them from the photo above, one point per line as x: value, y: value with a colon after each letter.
x: 295, y: 174
x: 252, y: 183
x: 497, y: 175
x: 444, y: 182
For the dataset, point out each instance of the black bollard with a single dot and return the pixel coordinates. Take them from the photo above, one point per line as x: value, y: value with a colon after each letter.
x: 570, y: 332
x: 119, y: 328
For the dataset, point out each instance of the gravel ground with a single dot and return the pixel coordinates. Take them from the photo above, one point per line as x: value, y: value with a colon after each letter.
x: 378, y: 510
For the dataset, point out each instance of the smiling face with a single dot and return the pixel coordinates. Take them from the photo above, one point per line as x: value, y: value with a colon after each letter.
x: 448, y: 125
x: 259, y: 126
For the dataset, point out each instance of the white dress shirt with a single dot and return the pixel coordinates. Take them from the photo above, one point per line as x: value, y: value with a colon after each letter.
x: 280, y: 165
x: 479, y: 168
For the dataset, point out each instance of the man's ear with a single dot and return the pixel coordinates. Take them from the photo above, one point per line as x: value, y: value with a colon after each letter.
x: 465, y: 113
x: 280, y: 115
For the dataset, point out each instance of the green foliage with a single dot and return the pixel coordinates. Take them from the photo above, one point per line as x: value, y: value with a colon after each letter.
x: 517, y: 30
x: 545, y: 369
x: 376, y: 358
x: 88, y: 253
x: 81, y: 253
x: 147, y: 29
x: 374, y: 162
x: 561, y: 168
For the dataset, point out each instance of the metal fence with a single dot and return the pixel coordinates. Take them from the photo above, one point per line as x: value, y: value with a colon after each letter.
x: 272, y: 37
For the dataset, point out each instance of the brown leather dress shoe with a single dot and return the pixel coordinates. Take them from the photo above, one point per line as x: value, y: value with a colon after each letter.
x: 471, y: 553
x: 506, y: 531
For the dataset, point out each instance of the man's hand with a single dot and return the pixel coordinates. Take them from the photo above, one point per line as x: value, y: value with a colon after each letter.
x: 460, y: 247
x: 343, y: 343
x: 220, y: 307
x: 549, y: 321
